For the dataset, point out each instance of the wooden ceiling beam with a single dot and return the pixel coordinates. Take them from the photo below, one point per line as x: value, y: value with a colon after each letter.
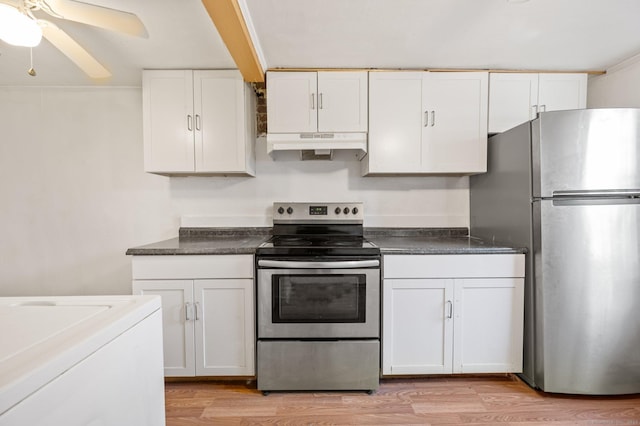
x: 228, y: 19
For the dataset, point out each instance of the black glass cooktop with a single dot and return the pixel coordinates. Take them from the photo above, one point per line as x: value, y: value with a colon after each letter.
x: 317, y: 241
x: 317, y: 246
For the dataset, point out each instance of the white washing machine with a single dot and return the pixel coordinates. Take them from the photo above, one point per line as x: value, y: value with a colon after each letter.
x: 82, y: 360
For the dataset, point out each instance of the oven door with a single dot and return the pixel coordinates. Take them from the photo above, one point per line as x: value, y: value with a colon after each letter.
x: 318, y: 300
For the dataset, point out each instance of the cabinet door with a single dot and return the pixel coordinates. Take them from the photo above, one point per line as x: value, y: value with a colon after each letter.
x: 292, y: 102
x: 395, y: 128
x: 342, y: 101
x: 219, y: 121
x: 561, y: 91
x: 168, y: 121
x: 488, y: 326
x: 225, y: 333
x: 177, y: 322
x: 455, y: 108
x: 513, y: 99
x: 417, y: 327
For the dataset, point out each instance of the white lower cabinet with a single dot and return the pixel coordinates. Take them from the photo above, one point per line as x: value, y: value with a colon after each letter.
x: 177, y: 331
x: 446, y: 314
x: 208, y: 323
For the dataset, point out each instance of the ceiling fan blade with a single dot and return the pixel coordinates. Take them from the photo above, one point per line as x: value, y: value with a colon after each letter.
x: 98, y: 16
x: 74, y: 51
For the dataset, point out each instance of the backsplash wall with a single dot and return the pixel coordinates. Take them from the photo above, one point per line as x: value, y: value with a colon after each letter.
x: 75, y: 196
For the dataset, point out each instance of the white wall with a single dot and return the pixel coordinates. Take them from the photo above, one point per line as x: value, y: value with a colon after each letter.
x: 74, y: 196
x: 619, y: 87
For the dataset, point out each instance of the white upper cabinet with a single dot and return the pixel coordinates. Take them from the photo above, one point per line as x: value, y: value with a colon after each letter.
x: 512, y: 99
x: 198, y: 122
x: 456, y: 132
x: 342, y: 101
x: 168, y: 120
x: 559, y: 91
x: 308, y: 102
x: 291, y: 102
x: 518, y: 97
x: 427, y: 122
x: 395, y: 131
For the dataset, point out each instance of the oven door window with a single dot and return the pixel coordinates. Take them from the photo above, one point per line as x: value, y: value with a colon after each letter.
x: 319, y: 298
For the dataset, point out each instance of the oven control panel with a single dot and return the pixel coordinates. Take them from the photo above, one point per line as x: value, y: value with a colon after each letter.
x: 344, y: 212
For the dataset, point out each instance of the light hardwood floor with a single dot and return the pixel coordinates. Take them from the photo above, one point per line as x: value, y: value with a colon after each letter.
x: 477, y: 400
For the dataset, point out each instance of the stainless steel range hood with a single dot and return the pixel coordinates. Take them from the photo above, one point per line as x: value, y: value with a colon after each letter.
x: 321, y: 142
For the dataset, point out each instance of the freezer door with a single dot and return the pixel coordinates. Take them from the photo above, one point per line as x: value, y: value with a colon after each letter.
x: 587, y: 296
x: 583, y: 150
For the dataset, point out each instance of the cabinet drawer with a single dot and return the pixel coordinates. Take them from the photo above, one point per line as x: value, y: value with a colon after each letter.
x: 192, y: 267
x: 453, y: 266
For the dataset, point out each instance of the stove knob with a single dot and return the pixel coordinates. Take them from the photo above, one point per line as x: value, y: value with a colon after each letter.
x: 346, y: 210
x: 354, y: 210
x: 289, y: 210
x: 338, y: 210
x: 281, y: 210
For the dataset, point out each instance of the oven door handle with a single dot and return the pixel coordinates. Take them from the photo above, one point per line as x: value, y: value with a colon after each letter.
x: 341, y: 264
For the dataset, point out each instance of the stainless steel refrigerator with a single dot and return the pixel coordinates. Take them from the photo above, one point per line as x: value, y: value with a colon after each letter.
x: 567, y: 186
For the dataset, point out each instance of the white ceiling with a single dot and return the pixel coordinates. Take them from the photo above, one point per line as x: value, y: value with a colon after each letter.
x: 181, y: 35
x: 538, y: 34
x: 560, y: 35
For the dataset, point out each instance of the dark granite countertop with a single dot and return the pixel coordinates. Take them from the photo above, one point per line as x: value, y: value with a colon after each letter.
x: 441, y: 245
x: 203, y: 241
x: 434, y: 241
x: 207, y: 241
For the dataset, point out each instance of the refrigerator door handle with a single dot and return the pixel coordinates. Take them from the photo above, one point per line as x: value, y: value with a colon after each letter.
x: 597, y: 194
x: 595, y: 201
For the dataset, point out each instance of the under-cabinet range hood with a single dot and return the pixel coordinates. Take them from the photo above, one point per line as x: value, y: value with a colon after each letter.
x: 321, y: 143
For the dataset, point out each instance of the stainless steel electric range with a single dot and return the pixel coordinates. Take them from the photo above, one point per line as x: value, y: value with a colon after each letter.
x: 318, y: 300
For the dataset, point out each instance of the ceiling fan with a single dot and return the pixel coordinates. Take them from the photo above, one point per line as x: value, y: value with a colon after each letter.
x: 98, y: 16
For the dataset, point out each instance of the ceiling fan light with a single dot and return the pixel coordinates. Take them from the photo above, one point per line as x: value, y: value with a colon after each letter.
x: 17, y: 28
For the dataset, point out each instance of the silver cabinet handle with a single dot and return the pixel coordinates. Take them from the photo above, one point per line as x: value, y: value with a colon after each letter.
x: 187, y: 311
x: 450, y: 306
x: 433, y: 118
x: 535, y: 110
x: 426, y: 118
x: 196, y: 307
x: 543, y: 108
x: 313, y: 101
x: 197, y: 121
x: 320, y: 101
x: 318, y: 265
x: 189, y: 122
